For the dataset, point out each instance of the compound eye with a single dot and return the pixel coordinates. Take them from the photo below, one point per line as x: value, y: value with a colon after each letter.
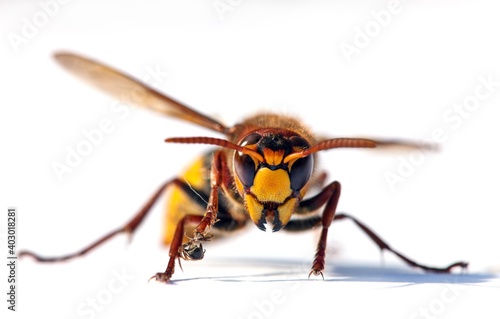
x: 302, y: 168
x: 251, y: 139
x: 300, y: 172
x: 244, y: 166
x: 299, y: 142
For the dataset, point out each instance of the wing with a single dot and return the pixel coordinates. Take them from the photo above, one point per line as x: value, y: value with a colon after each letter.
x: 129, y: 90
x: 400, y: 145
x: 405, y: 145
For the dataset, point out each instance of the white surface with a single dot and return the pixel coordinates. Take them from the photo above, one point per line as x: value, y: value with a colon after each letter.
x: 283, y: 57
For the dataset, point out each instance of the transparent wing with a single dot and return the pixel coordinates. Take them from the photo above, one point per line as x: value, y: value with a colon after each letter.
x: 395, y: 144
x: 132, y: 91
x: 399, y: 145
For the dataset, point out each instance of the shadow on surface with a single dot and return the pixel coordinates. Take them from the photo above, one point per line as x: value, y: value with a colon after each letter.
x: 363, y: 273
x: 264, y: 270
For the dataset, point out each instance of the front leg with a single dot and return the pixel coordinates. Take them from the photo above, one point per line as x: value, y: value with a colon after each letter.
x: 210, y: 217
x: 175, y: 248
x: 193, y: 249
x: 332, y: 194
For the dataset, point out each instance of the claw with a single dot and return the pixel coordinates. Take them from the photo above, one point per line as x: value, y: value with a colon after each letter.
x: 316, y: 273
x: 163, y: 277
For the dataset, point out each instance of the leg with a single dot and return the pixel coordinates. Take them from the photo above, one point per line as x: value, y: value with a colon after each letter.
x: 218, y: 178
x: 193, y: 249
x: 384, y: 246
x: 129, y: 228
x: 329, y: 195
x: 326, y: 220
x: 176, y: 247
x: 313, y: 221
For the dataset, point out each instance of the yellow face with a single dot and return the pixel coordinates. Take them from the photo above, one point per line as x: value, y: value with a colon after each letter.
x: 271, y: 187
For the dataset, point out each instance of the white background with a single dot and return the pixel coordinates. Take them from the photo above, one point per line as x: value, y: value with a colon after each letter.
x: 283, y: 57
